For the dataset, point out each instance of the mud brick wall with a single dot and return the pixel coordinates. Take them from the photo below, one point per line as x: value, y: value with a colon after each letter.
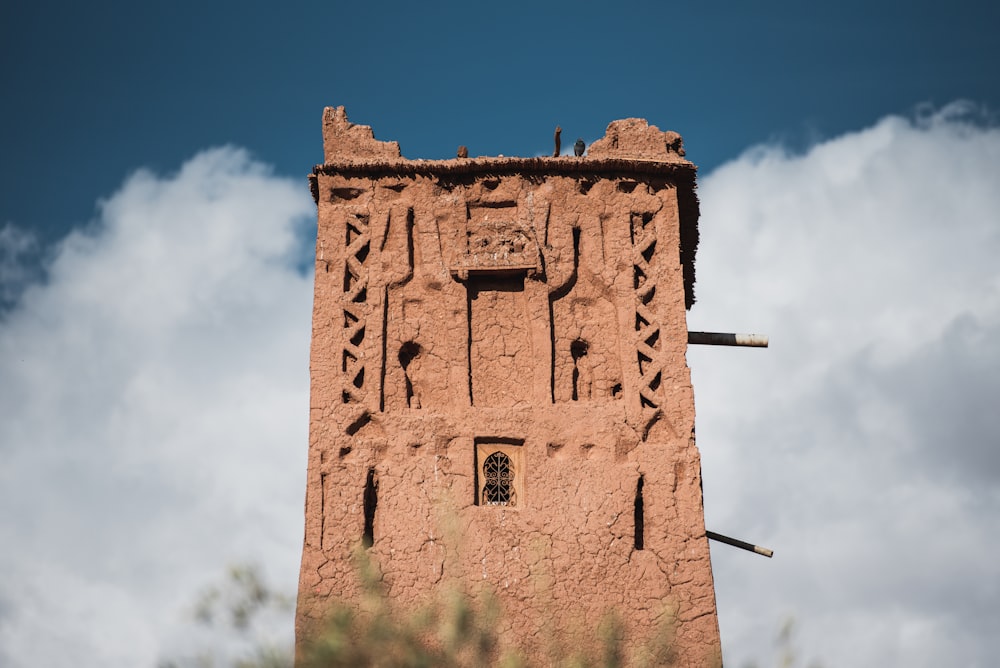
x: 500, y: 396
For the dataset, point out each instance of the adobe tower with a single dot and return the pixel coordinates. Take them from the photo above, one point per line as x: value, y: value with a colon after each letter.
x: 500, y: 396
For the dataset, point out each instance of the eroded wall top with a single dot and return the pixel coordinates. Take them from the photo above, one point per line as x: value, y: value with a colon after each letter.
x: 343, y: 140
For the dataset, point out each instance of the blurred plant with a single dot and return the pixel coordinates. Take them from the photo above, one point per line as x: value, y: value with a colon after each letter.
x: 452, y: 630
x: 242, y: 597
x: 449, y: 631
x: 787, y: 653
x: 245, y: 604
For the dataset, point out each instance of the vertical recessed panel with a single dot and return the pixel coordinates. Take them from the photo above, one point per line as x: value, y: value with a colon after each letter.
x: 500, y: 355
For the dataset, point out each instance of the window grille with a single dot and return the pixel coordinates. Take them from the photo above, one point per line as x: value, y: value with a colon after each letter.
x: 498, y: 473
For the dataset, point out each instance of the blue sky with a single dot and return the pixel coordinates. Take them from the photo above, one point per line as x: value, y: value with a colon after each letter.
x: 155, y: 318
x: 93, y: 91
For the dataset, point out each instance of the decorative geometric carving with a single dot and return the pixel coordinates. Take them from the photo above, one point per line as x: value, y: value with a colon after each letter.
x: 355, y: 307
x: 647, y: 326
x: 498, y: 237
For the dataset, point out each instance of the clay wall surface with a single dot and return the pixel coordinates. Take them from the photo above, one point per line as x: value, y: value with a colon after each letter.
x: 500, y: 396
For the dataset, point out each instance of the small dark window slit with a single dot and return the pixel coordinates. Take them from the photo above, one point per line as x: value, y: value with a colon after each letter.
x: 370, y: 501
x: 638, y: 515
x: 582, y: 382
x: 407, y: 353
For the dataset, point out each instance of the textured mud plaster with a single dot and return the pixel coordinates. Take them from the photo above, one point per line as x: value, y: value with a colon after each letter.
x: 500, y: 396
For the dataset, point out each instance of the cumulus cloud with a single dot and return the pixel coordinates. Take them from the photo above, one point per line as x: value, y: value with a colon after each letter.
x: 864, y: 445
x: 153, y: 412
x: 18, y: 262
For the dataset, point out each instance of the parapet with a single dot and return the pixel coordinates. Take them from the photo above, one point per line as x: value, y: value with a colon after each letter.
x: 345, y: 140
x: 628, y: 139
x: 636, y: 139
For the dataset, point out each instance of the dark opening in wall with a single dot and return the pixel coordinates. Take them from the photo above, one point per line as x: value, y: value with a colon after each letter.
x: 344, y: 193
x: 561, y: 292
x: 359, y: 422
x: 358, y: 337
x: 370, y: 501
x: 639, y: 518
x: 582, y: 382
x: 407, y: 353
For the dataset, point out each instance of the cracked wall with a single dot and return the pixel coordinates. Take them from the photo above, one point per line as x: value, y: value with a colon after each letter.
x: 528, y: 307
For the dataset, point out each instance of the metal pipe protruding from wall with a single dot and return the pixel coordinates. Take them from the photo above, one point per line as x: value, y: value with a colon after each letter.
x: 722, y: 339
x: 749, y: 547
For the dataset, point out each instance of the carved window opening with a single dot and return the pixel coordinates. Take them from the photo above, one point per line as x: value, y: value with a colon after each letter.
x: 556, y: 338
x: 355, y: 426
x: 583, y: 381
x: 408, y: 353
x: 345, y: 193
x: 499, y: 473
x: 370, y: 501
x: 639, y: 515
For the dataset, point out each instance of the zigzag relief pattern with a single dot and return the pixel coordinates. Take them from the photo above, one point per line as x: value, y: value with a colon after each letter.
x: 646, y: 326
x: 355, y: 306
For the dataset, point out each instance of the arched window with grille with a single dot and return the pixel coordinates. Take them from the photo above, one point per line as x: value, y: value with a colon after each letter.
x: 499, y: 474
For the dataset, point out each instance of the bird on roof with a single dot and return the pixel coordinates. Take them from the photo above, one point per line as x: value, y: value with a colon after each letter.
x: 579, y: 147
x: 555, y: 153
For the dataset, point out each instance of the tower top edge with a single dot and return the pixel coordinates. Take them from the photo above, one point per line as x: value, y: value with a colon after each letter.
x: 627, y: 143
x: 507, y: 165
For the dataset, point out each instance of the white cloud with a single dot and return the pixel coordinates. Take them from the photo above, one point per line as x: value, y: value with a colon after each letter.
x: 18, y: 256
x: 153, y: 403
x: 153, y: 413
x: 864, y: 445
